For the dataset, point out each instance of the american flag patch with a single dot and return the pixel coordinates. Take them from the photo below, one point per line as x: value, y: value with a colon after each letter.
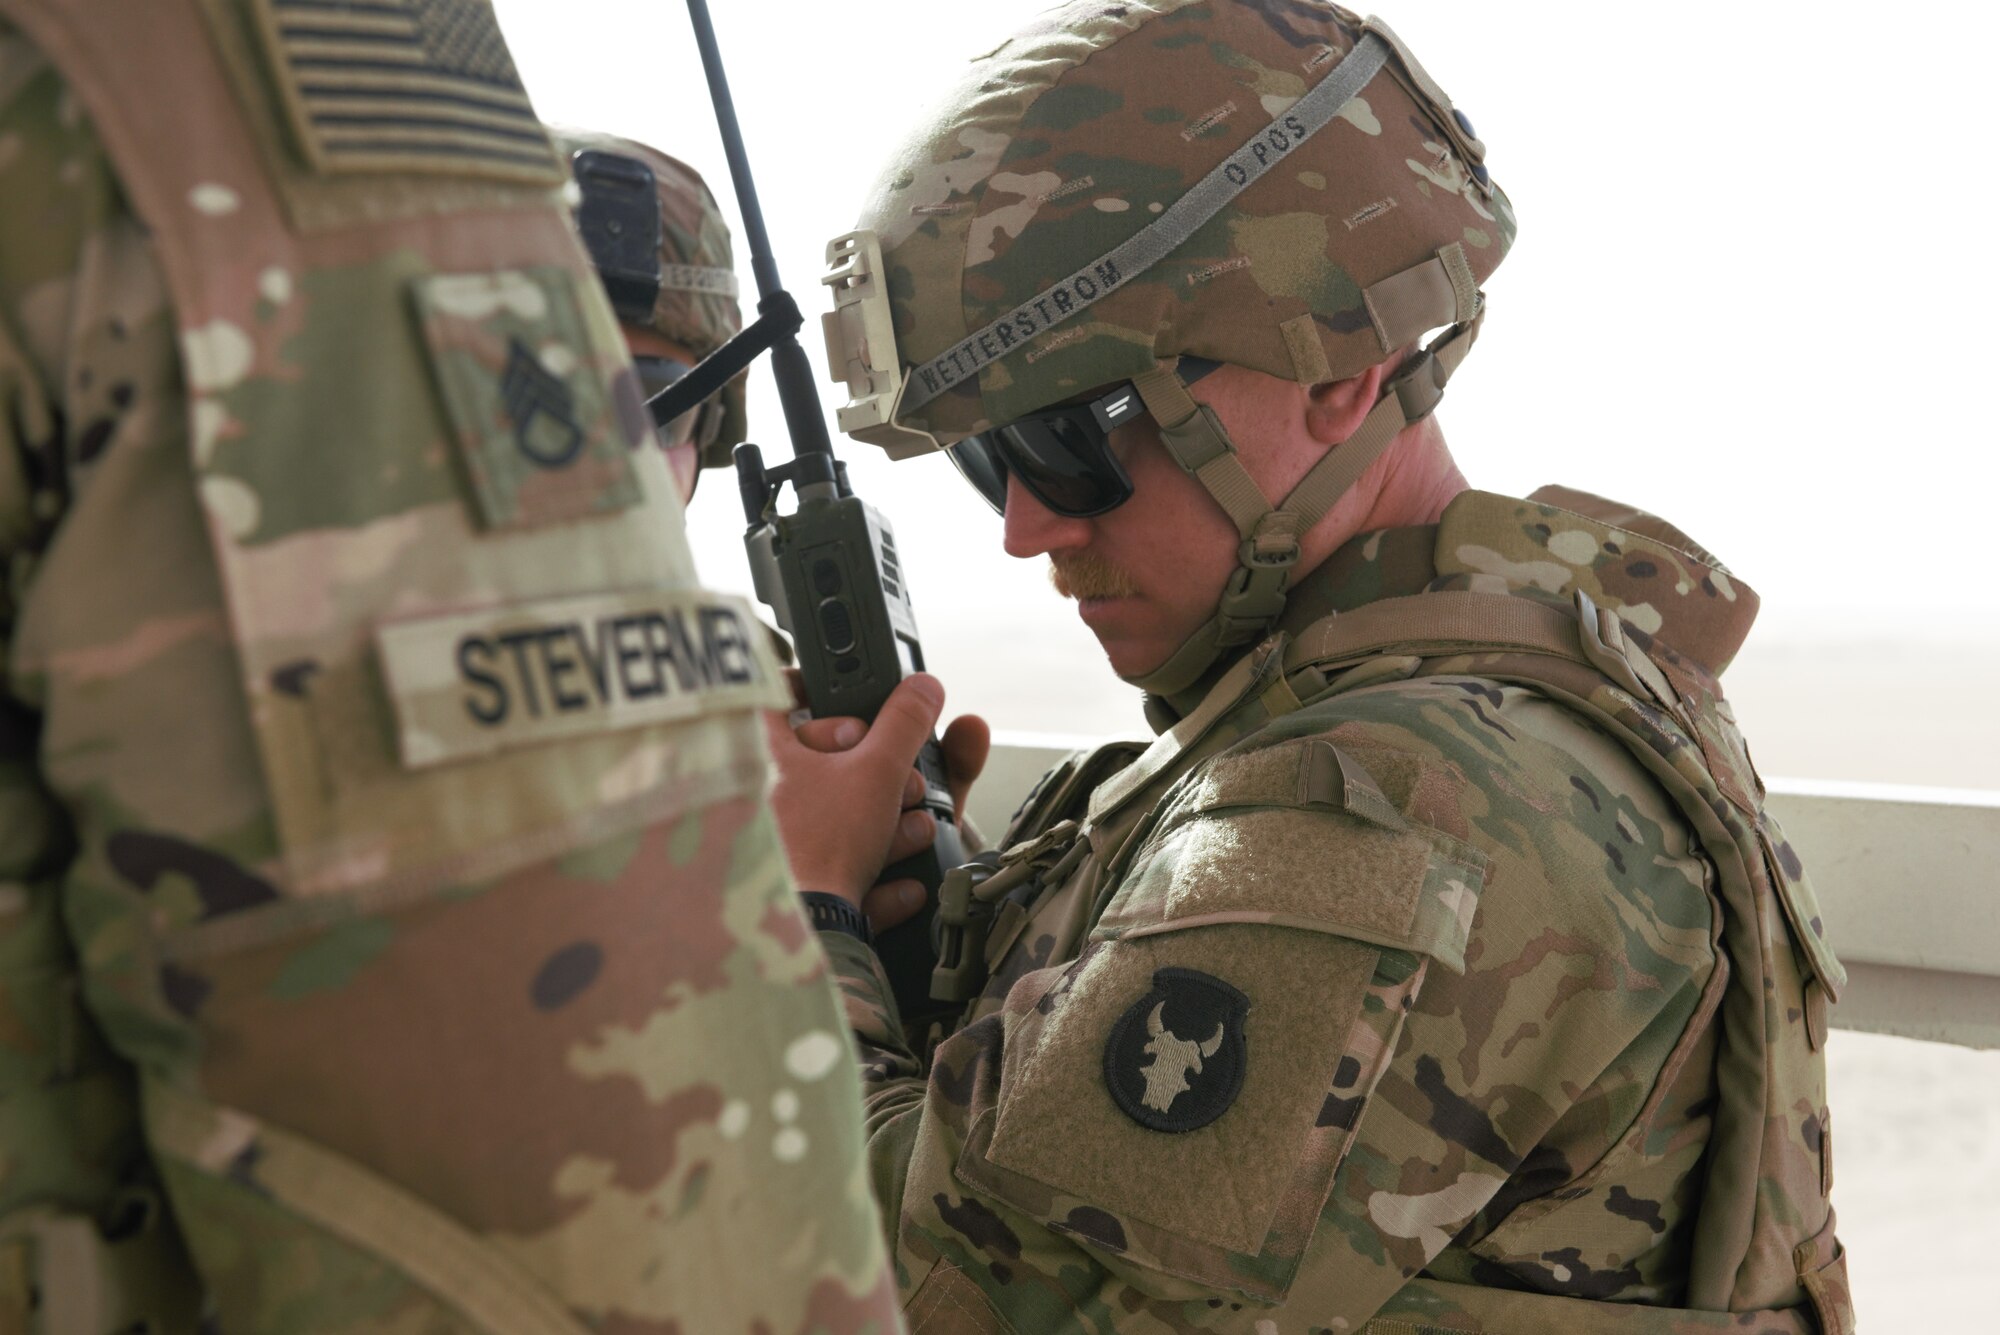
x: 406, y: 85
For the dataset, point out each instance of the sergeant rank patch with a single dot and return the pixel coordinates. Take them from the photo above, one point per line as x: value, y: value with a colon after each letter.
x: 541, y: 408
x: 1175, y: 1060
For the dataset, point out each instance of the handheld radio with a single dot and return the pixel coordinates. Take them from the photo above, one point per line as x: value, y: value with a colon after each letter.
x: 828, y: 570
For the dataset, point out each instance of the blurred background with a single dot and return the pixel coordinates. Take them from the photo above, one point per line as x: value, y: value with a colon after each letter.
x: 1746, y: 295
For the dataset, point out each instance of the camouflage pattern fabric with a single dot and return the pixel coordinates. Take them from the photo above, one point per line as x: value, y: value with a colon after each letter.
x: 347, y: 986
x: 1076, y: 133
x: 1481, y: 946
x: 693, y: 308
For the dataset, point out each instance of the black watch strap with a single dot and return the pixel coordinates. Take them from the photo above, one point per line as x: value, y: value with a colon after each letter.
x: 831, y: 913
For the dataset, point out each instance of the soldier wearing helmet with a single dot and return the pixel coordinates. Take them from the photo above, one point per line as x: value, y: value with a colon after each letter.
x: 662, y: 250
x: 657, y: 239
x: 1438, y: 966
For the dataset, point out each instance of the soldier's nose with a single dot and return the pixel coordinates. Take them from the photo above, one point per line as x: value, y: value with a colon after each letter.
x: 1030, y: 528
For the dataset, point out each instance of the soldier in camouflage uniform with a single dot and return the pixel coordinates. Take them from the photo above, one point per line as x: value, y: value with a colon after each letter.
x: 393, y: 935
x: 1437, y: 968
x: 676, y: 304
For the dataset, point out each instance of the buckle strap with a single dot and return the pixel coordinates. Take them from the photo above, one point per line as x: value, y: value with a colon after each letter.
x: 1166, y: 397
x: 1255, y: 593
x: 1252, y: 600
x: 964, y: 916
x: 1604, y: 643
x: 1198, y: 442
x: 1273, y: 540
x: 983, y: 904
x: 1450, y: 349
x: 1229, y: 482
x: 60, y: 1265
x: 1254, y: 597
x: 1410, y: 396
x: 1420, y: 387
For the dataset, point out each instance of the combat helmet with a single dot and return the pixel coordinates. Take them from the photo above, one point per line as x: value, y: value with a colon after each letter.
x: 1276, y: 184
x: 660, y: 246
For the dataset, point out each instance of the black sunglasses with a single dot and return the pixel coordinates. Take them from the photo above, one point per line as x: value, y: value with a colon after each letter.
x: 1063, y: 454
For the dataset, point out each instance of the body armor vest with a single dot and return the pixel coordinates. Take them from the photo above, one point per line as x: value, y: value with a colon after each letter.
x: 1764, y: 1235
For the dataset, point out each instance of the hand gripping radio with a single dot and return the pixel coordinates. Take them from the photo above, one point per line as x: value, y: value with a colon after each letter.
x: 829, y: 569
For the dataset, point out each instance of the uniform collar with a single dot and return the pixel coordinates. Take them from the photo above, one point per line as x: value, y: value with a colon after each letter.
x: 1665, y: 586
x: 1386, y: 563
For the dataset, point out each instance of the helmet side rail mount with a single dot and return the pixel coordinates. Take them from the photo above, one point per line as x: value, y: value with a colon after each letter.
x: 828, y: 570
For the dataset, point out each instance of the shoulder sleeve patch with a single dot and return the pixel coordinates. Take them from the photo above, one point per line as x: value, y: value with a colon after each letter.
x: 1181, y: 1098
x: 404, y: 86
x: 1161, y: 1078
x: 1300, y: 835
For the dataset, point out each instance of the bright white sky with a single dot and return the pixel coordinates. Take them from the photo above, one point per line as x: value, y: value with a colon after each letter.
x: 1747, y: 292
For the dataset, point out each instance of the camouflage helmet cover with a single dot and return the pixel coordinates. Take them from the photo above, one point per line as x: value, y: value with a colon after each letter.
x: 695, y: 306
x: 1075, y: 134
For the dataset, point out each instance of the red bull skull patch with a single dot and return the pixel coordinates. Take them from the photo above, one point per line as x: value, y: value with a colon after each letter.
x: 1175, y: 1059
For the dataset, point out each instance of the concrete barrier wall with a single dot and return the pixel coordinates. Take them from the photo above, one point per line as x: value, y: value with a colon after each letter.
x: 1908, y: 879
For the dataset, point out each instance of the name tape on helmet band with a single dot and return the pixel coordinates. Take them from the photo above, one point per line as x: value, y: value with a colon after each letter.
x: 1154, y: 242
x: 698, y: 278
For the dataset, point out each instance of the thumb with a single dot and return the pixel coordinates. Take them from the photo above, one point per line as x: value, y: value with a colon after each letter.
x: 906, y: 721
x: 967, y: 742
x: 778, y: 734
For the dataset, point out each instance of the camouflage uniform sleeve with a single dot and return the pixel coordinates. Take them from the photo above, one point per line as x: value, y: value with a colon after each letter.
x: 68, y: 1119
x: 1390, y: 992
x: 892, y: 1080
x: 606, y: 1088
x: 871, y: 1009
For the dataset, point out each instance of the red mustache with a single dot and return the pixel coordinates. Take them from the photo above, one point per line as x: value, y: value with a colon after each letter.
x: 1087, y: 575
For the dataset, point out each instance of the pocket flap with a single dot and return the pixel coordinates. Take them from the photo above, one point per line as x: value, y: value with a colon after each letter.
x: 1188, y: 1143
x: 1802, y: 911
x: 1300, y: 835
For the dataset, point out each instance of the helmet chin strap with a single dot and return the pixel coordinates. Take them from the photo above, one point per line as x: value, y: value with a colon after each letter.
x: 1269, y: 534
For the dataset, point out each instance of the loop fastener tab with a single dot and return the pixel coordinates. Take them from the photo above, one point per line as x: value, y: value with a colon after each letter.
x: 1420, y: 386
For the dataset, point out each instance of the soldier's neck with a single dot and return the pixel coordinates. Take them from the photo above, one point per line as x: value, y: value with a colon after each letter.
x: 1375, y: 543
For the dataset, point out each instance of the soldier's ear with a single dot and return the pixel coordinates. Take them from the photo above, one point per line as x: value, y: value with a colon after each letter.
x: 1335, y: 409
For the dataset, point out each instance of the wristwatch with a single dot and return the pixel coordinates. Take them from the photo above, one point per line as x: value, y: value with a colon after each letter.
x: 831, y: 913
